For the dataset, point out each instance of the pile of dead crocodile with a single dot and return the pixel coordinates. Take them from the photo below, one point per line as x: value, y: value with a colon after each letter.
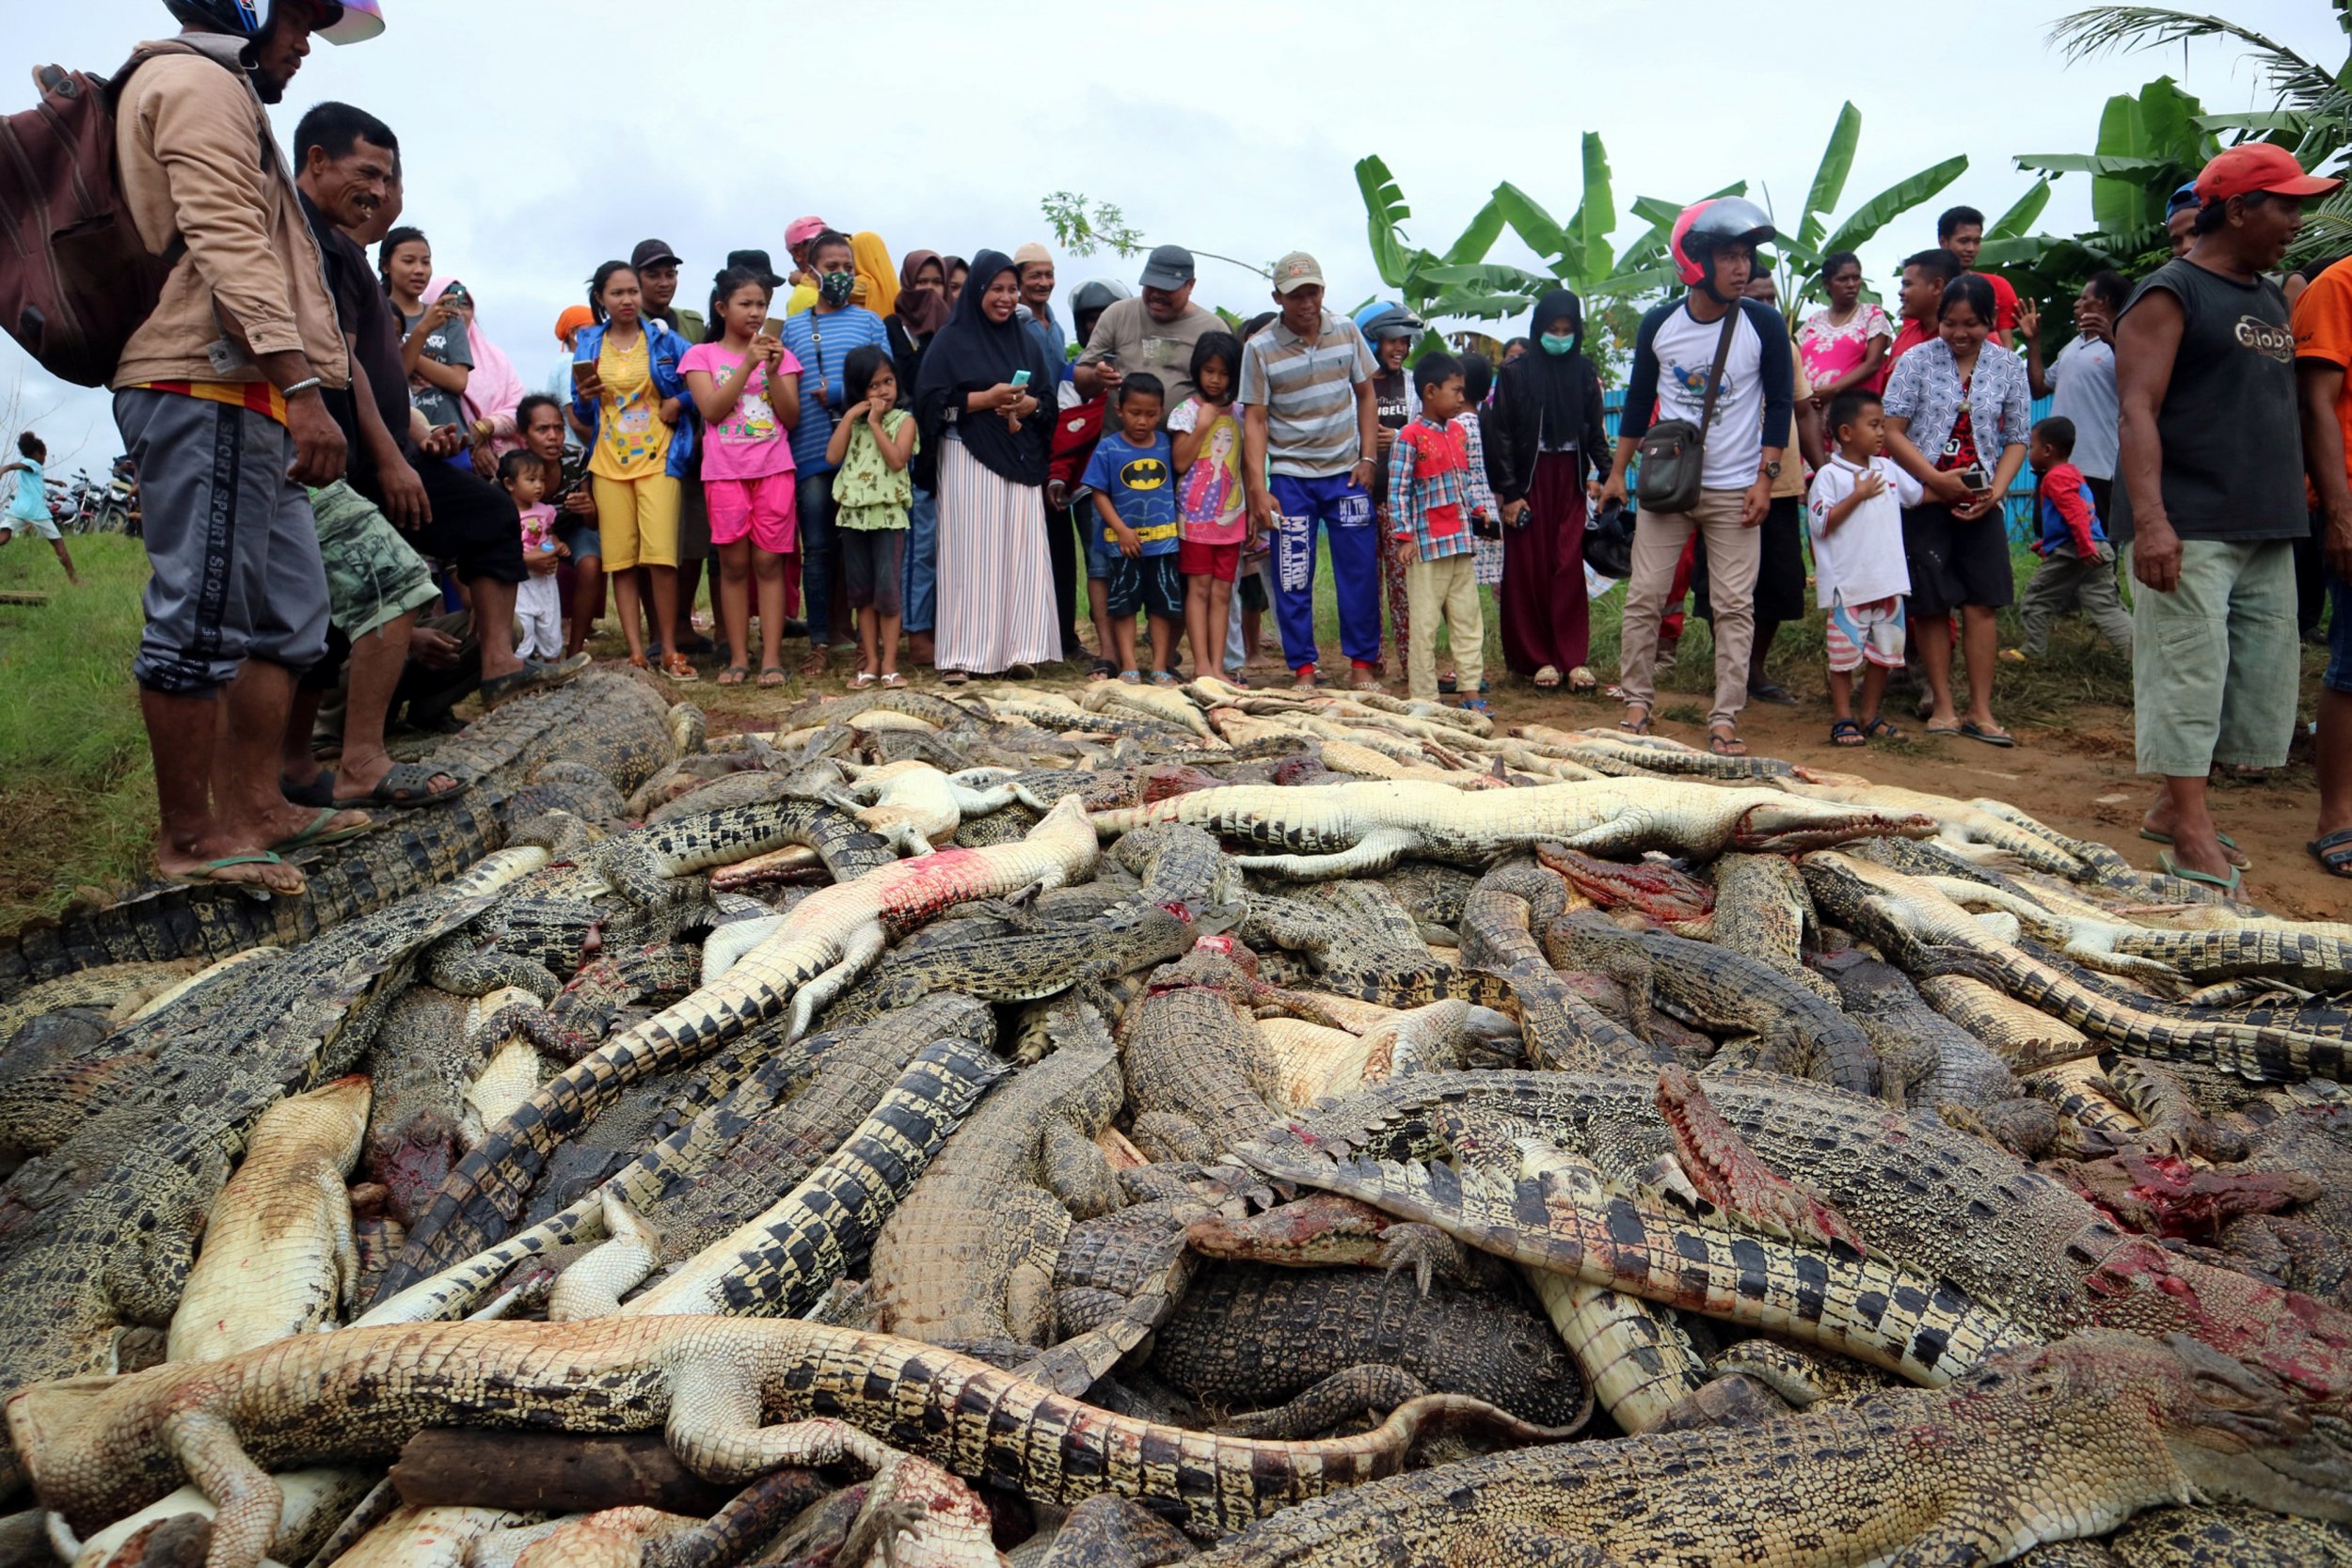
x: 1292, y: 1128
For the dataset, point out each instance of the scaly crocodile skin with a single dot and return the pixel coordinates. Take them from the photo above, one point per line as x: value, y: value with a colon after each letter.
x: 779, y: 1262
x: 1247, y: 1336
x: 1918, y: 1192
x: 277, y: 1256
x: 1912, y: 920
x: 101, y: 1231
x: 1554, y: 1212
x: 737, y: 1396
x: 814, y: 951
x: 2064, y: 1442
x: 969, y: 1256
x: 604, y: 718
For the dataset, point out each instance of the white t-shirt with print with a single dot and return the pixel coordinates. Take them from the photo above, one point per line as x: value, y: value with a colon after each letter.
x: 1864, y: 560
x: 1686, y: 352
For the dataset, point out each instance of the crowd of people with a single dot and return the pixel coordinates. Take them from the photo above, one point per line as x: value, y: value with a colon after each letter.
x: 356, y: 501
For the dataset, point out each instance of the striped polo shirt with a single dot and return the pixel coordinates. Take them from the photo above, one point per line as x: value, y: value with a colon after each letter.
x: 1308, y: 391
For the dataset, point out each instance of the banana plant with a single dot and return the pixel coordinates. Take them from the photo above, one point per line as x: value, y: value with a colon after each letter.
x: 2310, y: 116
x: 1459, y: 282
x: 1814, y: 238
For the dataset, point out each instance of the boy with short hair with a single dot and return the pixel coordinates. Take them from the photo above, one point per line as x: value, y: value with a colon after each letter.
x: 1920, y: 301
x: 1133, y: 473
x: 1436, y: 487
x: 538, y: 604
x: 2077, y: 563
x: 1856, y: 518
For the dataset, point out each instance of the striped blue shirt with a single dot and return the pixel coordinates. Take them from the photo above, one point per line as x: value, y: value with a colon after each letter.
x: 822, y: 343
x: 1308, y: 391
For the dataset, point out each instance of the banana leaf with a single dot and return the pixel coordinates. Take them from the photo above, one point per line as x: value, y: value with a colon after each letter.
x: 1596, y: 216
x: 1384, y: 209
x: 2020, y: 217
x: 1485, y: 226
x: 1893, y: 202
x: 1481, y: 307
x: 1484, y: 277
x: 1829, y: 180
x: 1535, y: 226
x: 2095, y: 163
x: 2285, y: 120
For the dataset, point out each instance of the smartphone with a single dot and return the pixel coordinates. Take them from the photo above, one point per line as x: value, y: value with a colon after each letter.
x: 1976, y: 479
x: 582, y: 370
x: 1020, y: 378
x: 456, y: 291
x: 771, y: 327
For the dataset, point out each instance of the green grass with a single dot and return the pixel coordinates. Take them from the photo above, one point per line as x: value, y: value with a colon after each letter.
x: 76, y: 790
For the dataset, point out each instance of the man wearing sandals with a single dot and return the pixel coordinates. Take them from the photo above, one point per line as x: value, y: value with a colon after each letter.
x: 2212, y: 499
x: 2323, y: 351
x: 1674, y: 358
x: 220, y: 397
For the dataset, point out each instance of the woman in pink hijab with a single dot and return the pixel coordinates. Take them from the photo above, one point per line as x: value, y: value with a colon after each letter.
x: 492, y: 392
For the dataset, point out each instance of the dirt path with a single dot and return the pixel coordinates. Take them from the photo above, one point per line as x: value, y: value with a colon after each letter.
x: 2077, y: 778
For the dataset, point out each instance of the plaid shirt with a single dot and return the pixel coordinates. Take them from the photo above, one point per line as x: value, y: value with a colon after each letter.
x: 1437, y: 484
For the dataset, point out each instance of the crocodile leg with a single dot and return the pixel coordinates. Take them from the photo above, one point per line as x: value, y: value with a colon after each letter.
x: 594, y: 1285
x: 1377, y: 851
x: 249, y: 1500
x: 1352, y: 1391
x: 715, y: 1430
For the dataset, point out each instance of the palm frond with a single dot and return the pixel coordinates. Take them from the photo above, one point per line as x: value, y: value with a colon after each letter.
x: 2115, y: 29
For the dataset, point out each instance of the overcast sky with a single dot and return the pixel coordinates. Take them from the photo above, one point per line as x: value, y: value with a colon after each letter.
x: 542, y: 137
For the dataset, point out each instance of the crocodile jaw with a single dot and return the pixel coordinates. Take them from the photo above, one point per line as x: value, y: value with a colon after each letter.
x: 1793, y: 825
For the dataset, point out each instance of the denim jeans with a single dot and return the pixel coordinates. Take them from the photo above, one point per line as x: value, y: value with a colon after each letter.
x: 819, y: 560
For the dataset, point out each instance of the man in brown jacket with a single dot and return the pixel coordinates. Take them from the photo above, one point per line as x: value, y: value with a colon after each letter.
x: 218, y: 397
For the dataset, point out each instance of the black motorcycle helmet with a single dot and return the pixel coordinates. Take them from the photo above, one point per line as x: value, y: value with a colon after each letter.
x: 1705, y: 225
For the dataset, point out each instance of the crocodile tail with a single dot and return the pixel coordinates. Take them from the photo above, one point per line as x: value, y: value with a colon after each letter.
x: 415, y: 851
x: 1091, y: 1450
x: 487, y: 1188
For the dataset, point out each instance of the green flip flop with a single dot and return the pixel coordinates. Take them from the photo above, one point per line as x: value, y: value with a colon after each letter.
x: 2228, y: 884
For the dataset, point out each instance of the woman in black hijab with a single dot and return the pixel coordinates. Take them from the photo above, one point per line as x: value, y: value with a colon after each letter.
x: 990, y: 445
x: 1547, y: 442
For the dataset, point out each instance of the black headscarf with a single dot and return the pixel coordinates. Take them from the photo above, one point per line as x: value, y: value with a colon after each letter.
x: 972, y: 354
x: 1557, y: 382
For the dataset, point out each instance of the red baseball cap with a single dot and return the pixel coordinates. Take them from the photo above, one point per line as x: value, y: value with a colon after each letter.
x: 2259, y: 166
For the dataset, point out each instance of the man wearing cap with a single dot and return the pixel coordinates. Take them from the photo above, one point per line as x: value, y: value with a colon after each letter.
x: 1033, y: 265
x: 798, y: 236
x: 1156, y: 332
x: 1307, y: 420
x: 657, y: 266
x: 2212, y: 500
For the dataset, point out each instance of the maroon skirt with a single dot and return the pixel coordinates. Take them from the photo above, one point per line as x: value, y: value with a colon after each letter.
x: 1545, y: 619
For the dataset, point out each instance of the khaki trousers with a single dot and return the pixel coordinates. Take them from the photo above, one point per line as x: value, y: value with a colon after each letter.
x: 1732, y: 554
x: 1447, y: 586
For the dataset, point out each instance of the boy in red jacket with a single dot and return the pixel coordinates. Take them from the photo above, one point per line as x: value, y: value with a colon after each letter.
x: 2077, y: 563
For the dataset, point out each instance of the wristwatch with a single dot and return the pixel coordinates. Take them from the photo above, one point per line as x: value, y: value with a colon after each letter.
x: 1771, y: 469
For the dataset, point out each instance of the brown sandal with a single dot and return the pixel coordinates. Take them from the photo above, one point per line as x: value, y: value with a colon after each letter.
x: 677, y: 666
x: 1631, y: 725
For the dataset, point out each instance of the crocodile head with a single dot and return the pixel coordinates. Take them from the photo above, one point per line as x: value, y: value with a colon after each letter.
x: 2239, y: 1432
x: 1791, y: 824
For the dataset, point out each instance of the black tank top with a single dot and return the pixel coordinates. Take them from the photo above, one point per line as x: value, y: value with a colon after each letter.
x: 2232, y: 446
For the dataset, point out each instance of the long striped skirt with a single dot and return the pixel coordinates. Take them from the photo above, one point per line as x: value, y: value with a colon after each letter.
x: 995, y: 580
